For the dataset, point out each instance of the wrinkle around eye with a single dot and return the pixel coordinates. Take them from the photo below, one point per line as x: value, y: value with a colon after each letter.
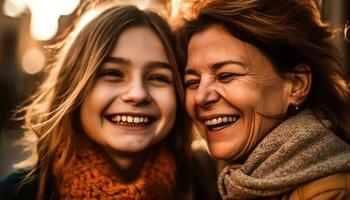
x: 192, y: 84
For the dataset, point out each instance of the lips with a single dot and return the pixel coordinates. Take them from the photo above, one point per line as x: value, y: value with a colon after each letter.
x: 219, y: 122
x: 131, y: 119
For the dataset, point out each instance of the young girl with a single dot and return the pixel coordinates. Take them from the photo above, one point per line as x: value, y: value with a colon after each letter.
x: 109, y: 116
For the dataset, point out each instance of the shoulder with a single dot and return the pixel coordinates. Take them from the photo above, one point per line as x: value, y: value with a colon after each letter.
x: 336, y: 186
x: 10, y: 187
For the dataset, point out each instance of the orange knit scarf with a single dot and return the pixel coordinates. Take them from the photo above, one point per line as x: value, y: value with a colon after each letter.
x: 93, y: 177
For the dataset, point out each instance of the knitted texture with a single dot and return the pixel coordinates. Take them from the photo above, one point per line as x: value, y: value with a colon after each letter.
x: 299, y: 150
x: 91, y: 176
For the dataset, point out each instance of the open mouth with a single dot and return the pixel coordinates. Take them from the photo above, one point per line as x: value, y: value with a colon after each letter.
x: 221, y: 122
x: 131, y: 120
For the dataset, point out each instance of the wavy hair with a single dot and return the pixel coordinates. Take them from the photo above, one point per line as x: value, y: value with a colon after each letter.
x: 288, y: 32
x: 53, y: 114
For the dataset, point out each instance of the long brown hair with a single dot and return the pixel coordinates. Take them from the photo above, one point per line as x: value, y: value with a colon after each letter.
x: 53, y: 114
x: 288, y: 33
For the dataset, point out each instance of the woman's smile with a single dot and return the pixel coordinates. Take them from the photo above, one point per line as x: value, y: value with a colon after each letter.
x: 219, y: 122
x: 229, y: 84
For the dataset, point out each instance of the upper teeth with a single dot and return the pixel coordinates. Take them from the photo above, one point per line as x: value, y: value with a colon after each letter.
x: 130, y: 119
x: 219, y: 120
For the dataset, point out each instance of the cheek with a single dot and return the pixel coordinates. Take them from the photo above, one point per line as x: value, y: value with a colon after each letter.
x: 99, y: 96
x: 166, y: 101
x: 242, y: 95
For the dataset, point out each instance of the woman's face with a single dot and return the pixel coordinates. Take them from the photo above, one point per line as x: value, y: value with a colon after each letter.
x: 132, y: 104
x: 233, y: 93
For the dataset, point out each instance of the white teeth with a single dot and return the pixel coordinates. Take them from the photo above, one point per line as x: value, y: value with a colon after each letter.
x: 124, y: 118
x: 219, y: 120
x: 130, y: 119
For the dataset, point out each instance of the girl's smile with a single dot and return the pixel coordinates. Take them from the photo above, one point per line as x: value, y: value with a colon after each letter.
x: 132, y: 103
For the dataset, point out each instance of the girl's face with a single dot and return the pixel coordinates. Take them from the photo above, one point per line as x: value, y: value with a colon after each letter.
x: 233, y: 93
x: 132, y: 104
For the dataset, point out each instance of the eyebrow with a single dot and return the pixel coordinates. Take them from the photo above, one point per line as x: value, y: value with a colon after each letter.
x: 216, y: 66
x: 158, y: 64
x: 118, y: 60
x: 151, y: 64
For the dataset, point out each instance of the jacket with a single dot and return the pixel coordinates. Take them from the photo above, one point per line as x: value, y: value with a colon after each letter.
x: 10, y: 188
x: 333, y: 187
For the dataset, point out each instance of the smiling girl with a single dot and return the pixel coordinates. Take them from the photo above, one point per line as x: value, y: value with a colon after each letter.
x: 108, y: 115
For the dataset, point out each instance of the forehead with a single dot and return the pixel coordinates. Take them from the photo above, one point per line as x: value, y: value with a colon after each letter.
x: 140, y: 43
x: 215, y: 44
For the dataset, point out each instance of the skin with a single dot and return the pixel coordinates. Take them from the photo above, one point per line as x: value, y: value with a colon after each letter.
x: 136, y: 80
x: 229, y: 77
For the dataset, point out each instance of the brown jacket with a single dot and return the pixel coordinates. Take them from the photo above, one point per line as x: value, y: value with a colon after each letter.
x: 333, y: 187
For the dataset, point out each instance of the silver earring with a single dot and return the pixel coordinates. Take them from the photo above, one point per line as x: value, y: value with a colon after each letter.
x: 296, y: 107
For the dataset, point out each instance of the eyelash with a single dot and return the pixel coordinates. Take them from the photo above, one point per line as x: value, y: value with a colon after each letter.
x: 222, y: 77
x: 191, y: 83
x: 159, y: 78
x: 111, y: 73
x: 226, y: 77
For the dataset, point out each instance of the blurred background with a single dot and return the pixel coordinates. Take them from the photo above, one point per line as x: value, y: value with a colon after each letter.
x: 27, y: 26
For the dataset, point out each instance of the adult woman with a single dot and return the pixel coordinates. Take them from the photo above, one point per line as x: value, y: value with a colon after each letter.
x: 269, y: 96
x: 106, y: 114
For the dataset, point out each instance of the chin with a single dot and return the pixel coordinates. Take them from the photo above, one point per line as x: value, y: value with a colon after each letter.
x: 219, y: 153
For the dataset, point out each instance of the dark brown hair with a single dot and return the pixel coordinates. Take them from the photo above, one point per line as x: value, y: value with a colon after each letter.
x: 288, y: 32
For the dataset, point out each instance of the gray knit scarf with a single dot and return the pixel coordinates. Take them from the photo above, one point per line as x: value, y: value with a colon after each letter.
x: 300, y: 149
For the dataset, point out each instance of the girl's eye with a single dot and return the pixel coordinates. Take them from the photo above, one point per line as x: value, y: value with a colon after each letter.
x: 191, y: 84
x: 111, y: 75
x: 159, y: 79
x: 226, y: 77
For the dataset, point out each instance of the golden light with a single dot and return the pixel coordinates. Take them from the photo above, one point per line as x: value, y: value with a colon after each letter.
x: 33, y: 60
x: 45, y: 15
x: 175, y: 8
x: 66, y: 7
x: 14, y: 8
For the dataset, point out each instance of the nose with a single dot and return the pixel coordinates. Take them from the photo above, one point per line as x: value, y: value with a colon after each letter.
x: 206, y: 95
x: 137, y: 94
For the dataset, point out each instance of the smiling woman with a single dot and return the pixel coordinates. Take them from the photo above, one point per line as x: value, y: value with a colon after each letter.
x: 269, y: 96
x: 109, y: 117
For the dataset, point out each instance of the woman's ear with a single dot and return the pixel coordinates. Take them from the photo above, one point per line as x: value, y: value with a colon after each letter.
x: 300, y: 84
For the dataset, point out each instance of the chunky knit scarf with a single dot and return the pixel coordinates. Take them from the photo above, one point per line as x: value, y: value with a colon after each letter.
x: 300, y: 149
x: 93, y: 177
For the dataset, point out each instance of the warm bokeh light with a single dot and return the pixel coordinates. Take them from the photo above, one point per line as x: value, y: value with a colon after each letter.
x: 33, y: 60
x: 175, y: 7
x: 43, y: 26
x: 14, y: 8
x: 66, y: 7
x: 44, y: 14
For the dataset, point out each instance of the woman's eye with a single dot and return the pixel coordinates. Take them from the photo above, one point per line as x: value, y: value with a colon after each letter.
x: 191, y: 84
x: 226, y: 77
x: 111, y: 75
x: 159, y: 79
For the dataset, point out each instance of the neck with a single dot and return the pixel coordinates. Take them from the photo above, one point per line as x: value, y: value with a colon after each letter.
x: 127, y: 164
